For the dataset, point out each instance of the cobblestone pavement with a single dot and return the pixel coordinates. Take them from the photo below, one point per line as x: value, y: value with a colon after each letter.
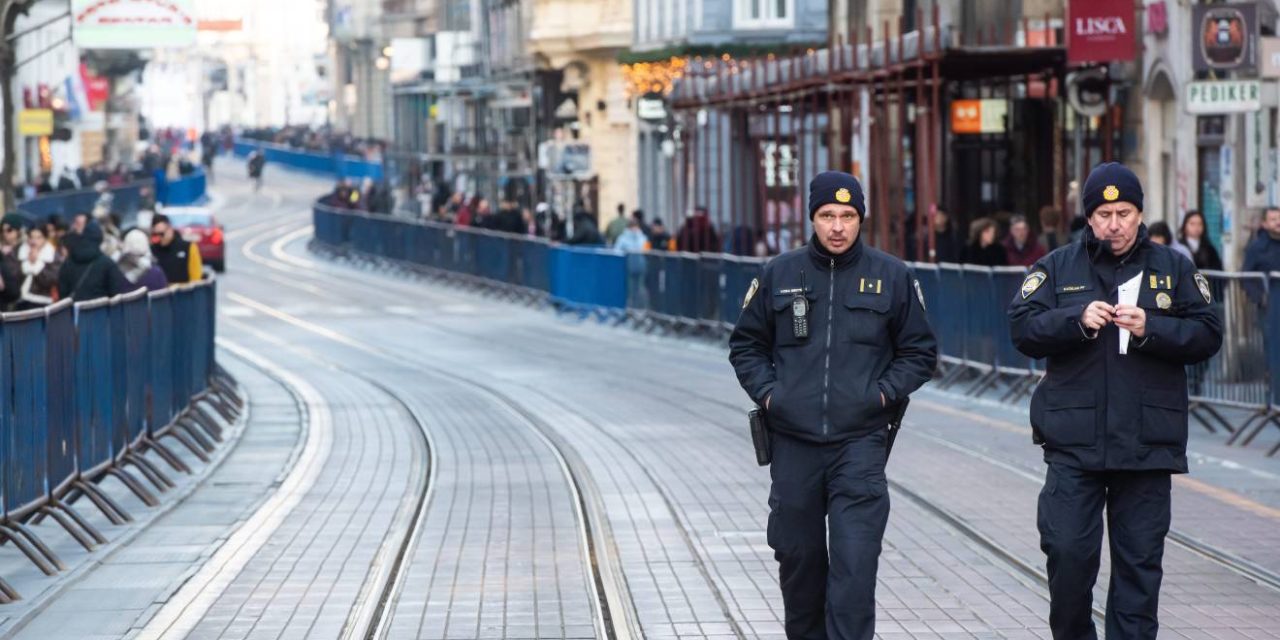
x: 570, y: 475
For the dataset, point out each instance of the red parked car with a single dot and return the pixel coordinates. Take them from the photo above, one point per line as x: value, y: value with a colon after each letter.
x: 198, y: 225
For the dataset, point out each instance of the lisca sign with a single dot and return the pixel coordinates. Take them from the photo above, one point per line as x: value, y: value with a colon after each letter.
x: 1100, y: 31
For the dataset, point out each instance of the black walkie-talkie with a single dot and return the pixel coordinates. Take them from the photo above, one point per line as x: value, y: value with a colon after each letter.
x: 800, y: 311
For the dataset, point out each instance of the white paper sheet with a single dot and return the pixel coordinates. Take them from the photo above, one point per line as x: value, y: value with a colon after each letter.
x: 1128, y: 295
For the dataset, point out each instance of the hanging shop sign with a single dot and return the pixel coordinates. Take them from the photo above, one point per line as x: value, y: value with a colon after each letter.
x: 133, y: 24
x: 1269, y: 60
x: 1100, y: 31
x: 1224, y: 96
x: 1225, y: 37
x: 35, y: 122
x: 978, y: 116
x: 651, y: 108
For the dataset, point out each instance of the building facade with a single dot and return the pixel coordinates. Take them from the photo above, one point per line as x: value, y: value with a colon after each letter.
x: 1216, y: 159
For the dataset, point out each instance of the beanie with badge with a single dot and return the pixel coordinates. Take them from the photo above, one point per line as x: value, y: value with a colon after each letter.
x: 1110, y: 182
x: 836, y: 187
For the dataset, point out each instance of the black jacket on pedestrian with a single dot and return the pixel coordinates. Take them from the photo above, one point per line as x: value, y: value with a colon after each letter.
x: 868, y: 334
x: 174, y: 259
x: 88, y: 273
x: 1096, y: 409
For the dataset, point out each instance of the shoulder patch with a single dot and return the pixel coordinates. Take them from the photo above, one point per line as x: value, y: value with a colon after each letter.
x: 751, y: 292
x: 1203, y: 284
x: 1033, y: 282
x: 919, y: 294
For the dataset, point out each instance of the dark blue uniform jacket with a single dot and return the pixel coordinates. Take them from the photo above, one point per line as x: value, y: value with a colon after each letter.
x: 1097, y: 409
x: 868, y: 335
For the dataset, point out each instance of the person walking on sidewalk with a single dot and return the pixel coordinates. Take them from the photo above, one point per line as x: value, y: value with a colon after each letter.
x: 1119, y: 319
x: 831, y: 340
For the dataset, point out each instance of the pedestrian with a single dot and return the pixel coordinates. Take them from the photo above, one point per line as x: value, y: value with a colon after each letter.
x: 633, y: 244
x: 946, y: 244
x: 831, y: 339
x: 1051, y: 235
x: 1263, y: 253
x: 1111, y: 412
x: 40, y: 263
x: 257, y: 162
x: 983, y: 248
x: 659, y: 239
x: 616, y: 226
x: 698, y: 234
x: 12, y: 236
x: 1161, y: 234
x: 178, y: 258
x: 88, y: 273
x: 585, y: 231
x: 137, y: 263
x: 1021, y: 247
x: 1191, y: 236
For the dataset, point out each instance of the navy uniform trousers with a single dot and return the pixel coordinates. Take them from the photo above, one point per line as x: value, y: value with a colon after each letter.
x: 828, y: 593
x: 1070, y: 522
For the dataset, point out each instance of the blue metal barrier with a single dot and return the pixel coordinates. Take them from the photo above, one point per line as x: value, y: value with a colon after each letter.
x: 1007, y: 283
x: 61, y: 353
x: 493, y: 258
x: 952, y: 328
x: 337, y: 165
x: 74, y: 382
x: 737, y: 273
x: 23, y: 441
x: 134, y: 310
x: 162, y: 411
x: 588, y: 277
x: 1273, y: 338
x: 126, y: 200
x: 187, y: 190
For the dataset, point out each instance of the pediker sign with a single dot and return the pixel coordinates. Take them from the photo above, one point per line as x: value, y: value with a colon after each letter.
x: 1100, y: 31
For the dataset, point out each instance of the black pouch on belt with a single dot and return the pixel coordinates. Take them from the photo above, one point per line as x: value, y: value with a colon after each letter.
x: 760, y: 436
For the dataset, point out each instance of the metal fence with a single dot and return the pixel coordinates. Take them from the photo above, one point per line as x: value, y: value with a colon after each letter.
x: 85, y: 389
x: 966, y: 304
x: 333, y: 164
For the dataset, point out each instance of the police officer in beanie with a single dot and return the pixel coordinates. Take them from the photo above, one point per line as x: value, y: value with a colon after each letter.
x: 832, y: 337
x: 1111, y: 412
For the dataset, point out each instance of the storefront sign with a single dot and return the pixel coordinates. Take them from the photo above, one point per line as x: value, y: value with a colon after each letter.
x: 648, y: 108
x: 35, y: 122
x: 1269, y: 61
x: 1224, y: 96
x: 1225, y: 37
x: 1100, y: 31
x: 1157, y: 18
x: 133, y: 24
x: 978, y: 116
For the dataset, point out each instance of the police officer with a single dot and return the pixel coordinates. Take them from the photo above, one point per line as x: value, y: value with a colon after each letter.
x: 832, y: 337
x: 1111, y: 412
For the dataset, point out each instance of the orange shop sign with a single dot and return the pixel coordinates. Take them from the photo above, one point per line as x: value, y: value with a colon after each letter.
x: 978, y: 116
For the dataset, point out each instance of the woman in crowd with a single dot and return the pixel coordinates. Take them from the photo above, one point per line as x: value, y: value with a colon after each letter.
x: 1192, y: 236
x: 983, y: 248
x: 40, y: 264
x: 136, y: 262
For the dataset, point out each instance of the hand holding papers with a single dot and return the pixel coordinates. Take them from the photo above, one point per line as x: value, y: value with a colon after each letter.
x: 1128, y: 296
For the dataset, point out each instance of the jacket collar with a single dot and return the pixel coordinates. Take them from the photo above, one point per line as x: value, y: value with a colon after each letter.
x: 823, y: 258
x: 1100, y: 252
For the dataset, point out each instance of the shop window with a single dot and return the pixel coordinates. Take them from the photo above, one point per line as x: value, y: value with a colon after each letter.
x: 763, y: 14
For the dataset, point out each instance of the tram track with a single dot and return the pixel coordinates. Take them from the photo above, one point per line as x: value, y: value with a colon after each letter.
x: 1230, y: 562
x: 594, y: 541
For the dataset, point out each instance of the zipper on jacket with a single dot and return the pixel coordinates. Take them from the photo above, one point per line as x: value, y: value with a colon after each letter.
x: 826, y: 366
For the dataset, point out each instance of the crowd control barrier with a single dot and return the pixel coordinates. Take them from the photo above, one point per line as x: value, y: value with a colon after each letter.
x: 187, y: 190
x: 126, y: 200
x: 331, y: 164
x: 967, y: 305
x: 85, y: 389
